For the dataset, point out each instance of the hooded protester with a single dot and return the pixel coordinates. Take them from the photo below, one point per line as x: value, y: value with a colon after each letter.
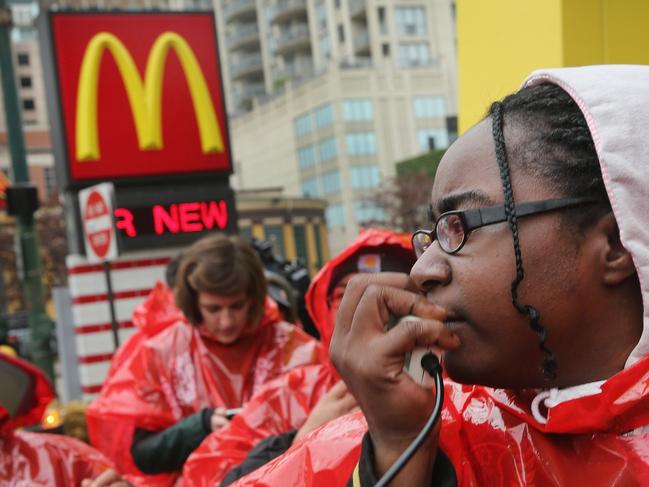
x: 173, y: 390
x: 37, y: 458
x: 549, y: 391
x: 286, y: 409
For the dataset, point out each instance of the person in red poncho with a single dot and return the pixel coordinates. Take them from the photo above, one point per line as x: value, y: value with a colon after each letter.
x: 174, y: 389
x: 533, y: 284
x: 285, y: 410
x: 37, y: 458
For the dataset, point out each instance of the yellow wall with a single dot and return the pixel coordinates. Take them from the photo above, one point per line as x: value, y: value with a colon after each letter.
x: 501, y: 41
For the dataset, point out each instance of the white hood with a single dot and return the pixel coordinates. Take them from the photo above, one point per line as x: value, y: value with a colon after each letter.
x: 615, y: 102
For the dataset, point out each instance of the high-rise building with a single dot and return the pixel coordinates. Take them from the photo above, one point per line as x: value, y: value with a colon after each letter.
x: 326, y: 95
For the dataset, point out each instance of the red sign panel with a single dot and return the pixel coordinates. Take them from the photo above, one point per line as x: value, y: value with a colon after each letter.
x: 140, y: 95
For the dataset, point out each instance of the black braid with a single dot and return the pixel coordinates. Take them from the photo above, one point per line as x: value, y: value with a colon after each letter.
x: 554, y: 143
x: 549, y: 363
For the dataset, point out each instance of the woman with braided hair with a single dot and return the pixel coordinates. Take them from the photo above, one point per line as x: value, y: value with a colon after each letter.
x: 532, y: 286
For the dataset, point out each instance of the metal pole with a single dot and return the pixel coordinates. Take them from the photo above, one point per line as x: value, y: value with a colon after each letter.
x: 39, y: 323
x: 111, y: 304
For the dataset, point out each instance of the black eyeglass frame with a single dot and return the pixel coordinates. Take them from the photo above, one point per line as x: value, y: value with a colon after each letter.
x: 475, y: 218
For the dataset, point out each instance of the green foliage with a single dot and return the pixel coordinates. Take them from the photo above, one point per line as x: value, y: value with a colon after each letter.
x: 426, y: 163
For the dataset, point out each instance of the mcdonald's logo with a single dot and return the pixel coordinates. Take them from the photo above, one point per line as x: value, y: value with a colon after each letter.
x: 140, y: 95
x: 145, y: 96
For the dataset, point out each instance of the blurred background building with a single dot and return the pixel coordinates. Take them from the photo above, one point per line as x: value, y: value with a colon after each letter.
x: 326, y: 95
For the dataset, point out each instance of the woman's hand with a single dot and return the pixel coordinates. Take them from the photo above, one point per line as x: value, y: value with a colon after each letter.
x: 109, y: 478
x: 370, y: 360
x: 218, y: 419
x: 335, y: 403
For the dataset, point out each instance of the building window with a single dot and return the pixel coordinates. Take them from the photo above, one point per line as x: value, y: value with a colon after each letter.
x: 429, y: 107
x: 335, y: 216
x: 365, y: 177
x: 310, y: 187
x: 23, y: 59
x: 367, y: 211
x: 327, y: 150
x: 429, y: 139
x: 306, y: 156
x: 275, y: 235
x: 324, y: 116
x: 411, y: 21
x: 50, y: 180
x: 414, y: 54
x: 321, y: 13
x: 331, y: 182
x: 386, y: 50
x: 25, y: 82
x: 357, y: 110
x: 303, y: 125
x: 341, y: 34
x: 325, y: 48
x: 383, y: 25
x: 28, y: 104
x: 361, y: 144
x: 299, y: 232
x: 318, y: 244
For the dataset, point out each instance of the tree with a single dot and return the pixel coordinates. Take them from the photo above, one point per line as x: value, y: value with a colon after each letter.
x: 405, y: 198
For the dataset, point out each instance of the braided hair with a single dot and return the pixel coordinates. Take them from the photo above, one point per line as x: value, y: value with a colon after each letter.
x: 555, y: 144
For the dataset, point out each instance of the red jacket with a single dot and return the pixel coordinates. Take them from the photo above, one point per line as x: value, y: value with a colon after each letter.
x: 492, y: 438
x: 284, y: 404
x: 40, y: 458
x: 182, y: 370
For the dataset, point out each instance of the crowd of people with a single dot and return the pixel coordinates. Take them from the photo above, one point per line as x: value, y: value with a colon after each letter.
x: 531, y: 288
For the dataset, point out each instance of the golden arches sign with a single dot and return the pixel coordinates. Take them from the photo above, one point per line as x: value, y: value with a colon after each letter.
x: 144, y: 96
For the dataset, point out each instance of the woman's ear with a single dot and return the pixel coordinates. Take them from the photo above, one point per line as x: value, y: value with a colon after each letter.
x: 616, y: 261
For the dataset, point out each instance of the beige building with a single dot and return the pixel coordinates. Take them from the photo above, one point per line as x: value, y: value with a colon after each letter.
x: 326, y: 95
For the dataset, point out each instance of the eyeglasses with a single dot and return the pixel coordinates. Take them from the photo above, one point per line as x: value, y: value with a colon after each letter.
x: 452, y: 228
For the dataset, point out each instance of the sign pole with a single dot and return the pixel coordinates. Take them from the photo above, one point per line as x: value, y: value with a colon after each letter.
x: 111, y: 304
x: 39, y: 324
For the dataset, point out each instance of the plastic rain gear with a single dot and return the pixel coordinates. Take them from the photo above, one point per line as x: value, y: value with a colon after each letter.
x: 40, y: 458
x: 592, y: 434
x: 284, y: 404
x: 182, y: 370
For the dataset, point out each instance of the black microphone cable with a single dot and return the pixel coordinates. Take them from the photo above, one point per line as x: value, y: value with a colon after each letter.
x: 430, y: 363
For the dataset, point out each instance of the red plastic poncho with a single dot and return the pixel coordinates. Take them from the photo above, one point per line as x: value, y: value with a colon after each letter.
x: 40, y: 458
x: 284, y: 404
x: 492, y: 438
x: 182, y: 370
x: 153, y: 315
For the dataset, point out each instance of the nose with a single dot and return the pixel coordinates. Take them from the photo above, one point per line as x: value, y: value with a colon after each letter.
x: 226, y: 317
x: 431, y: 269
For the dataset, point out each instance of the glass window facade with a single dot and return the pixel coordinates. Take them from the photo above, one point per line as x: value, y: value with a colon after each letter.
x: 306, y: 156
x: 357, y: 110
x: 429, y: 139
x: 331, y: 182
x: 361, y: 143
x: 299, y: 232
x: 335, y: 215
x: 411, y: 21
x: 366, y: 211
x: 365, y: 177
x: 324, y: 116
x: 429, y: 106
x: 275, y: 235
x: 412, y: 54
x: 303, y: 125
x: 311, y: 187
x: 327, y: 149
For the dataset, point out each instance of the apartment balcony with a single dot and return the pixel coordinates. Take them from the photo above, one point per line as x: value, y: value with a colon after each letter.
x: 286, y: 10
x: 357, y: 8
x: 246, y: 66
x: 235, y: 9
x: 362, y: 43
x: 243, y: 36
x: 293, y: 39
